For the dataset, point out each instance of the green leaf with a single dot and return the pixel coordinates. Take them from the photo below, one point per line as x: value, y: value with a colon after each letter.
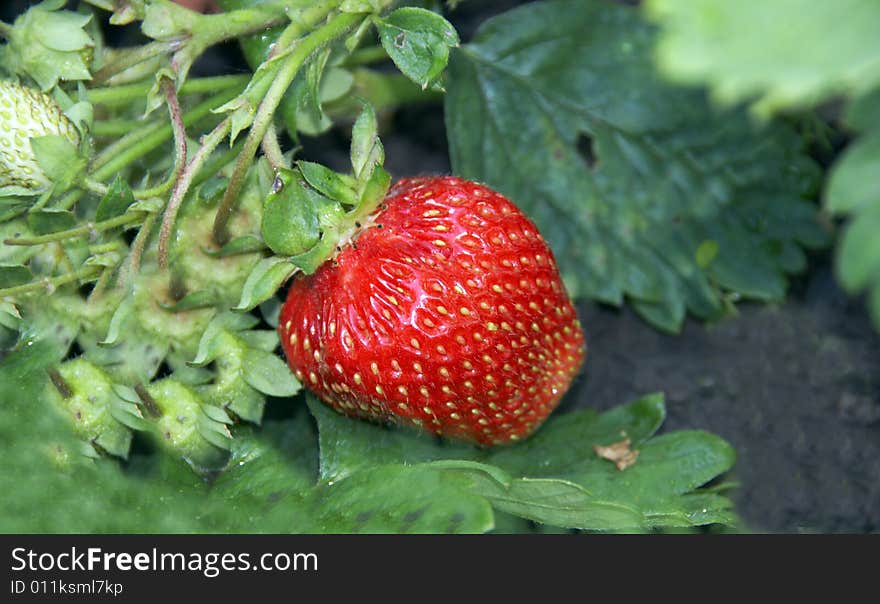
x: 14, y: 274
x: 418, y: 41
x: 264, y: 280
x: 569, y: 119
x: 863, y: 112
x: 874, y: 303
x: 853, y: 182
x: 555, y: 476
x: 706, y: 253
x: 267, y: 373
x: 308, y: 262
x: 755, y: 49
x: 366, y: 148
x: 192, y: 301
x: 399, y: 499
x: 246, y: 244
x: 349, y: 446
x: 48, y: 45
x: 314, y: 70
x: 329, y: 183
x: 116, y: 201
x: 210, y: 344
x: 57, y: 156
x: 668, y: 467
x: 372, y: 192
x: 858, y: 258
x: 560, y: 503
x: 853, y: 190
x: 50, y: 220
x: 564, y: 446
x: 290, y: 220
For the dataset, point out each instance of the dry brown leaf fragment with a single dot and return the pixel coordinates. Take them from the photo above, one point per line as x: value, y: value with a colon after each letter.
x: 619, y: 452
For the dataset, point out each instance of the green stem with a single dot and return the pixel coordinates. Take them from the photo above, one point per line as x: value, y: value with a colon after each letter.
x: 366, y: 56
x: 271, y: 149
x: 122, y: 95
x: 80, y: 231
x: 5, y: 30
x: 132, y: 57
x: 214, y: 166
x: 115, y: 128
x: 209, y: 143
x: 102, y: 283
x: 156, y: 137
x: 51, y: 283
x: 103, y: 248
x: 333, y: 29
x: 93, y: 186
x: 140, y: 142
x: 179, y: 132
x: 138, y: 246
x: 240, y: 22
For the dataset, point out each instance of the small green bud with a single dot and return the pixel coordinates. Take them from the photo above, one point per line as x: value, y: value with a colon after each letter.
x: 290, y: 221
x: 84, y: 392
x: 188, y: 426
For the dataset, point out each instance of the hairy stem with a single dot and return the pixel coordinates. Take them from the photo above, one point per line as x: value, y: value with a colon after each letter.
x: 83, y: 230
x: 136, y: 144
x: 115, y: 127
x: 208, y: 143
x: 333, y: 29
x: 271, y: 149
x: 179, y: 131
x: 133, y: 56
x: 137, y: 249
x: 123, y: 95
x: 51, y: 283
x: 366, y: 56
x: 102, y: 283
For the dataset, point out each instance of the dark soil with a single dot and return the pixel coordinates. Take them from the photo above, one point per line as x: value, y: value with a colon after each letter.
x: 794, y: 388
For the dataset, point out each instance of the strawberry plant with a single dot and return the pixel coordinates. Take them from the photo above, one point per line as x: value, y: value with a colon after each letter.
x: 206, y: 329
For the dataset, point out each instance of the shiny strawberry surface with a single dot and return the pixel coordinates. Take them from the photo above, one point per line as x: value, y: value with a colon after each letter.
x: 447, y: 312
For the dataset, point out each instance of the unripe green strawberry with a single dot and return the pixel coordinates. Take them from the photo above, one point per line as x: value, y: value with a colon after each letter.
x: 26, y: 113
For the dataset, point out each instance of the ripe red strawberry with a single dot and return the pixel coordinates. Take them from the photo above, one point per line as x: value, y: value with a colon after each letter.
x: 447, y: 312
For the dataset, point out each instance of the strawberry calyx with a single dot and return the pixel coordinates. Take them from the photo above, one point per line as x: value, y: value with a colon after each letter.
x: 312, y: 212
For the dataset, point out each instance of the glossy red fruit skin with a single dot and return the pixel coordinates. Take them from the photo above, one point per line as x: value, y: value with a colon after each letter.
x: 447, y: 313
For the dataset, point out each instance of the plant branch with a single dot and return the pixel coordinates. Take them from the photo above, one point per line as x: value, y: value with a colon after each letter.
x: 131, y: 57
x: 51, y: 283
x: 271, y: 149
x: 80, y: 231
x: 137, y: 248
x: 366, y: 56
x: 122, y: 95
x: 179, y: 131
x: 334, y: 28
x: 208, y: 143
